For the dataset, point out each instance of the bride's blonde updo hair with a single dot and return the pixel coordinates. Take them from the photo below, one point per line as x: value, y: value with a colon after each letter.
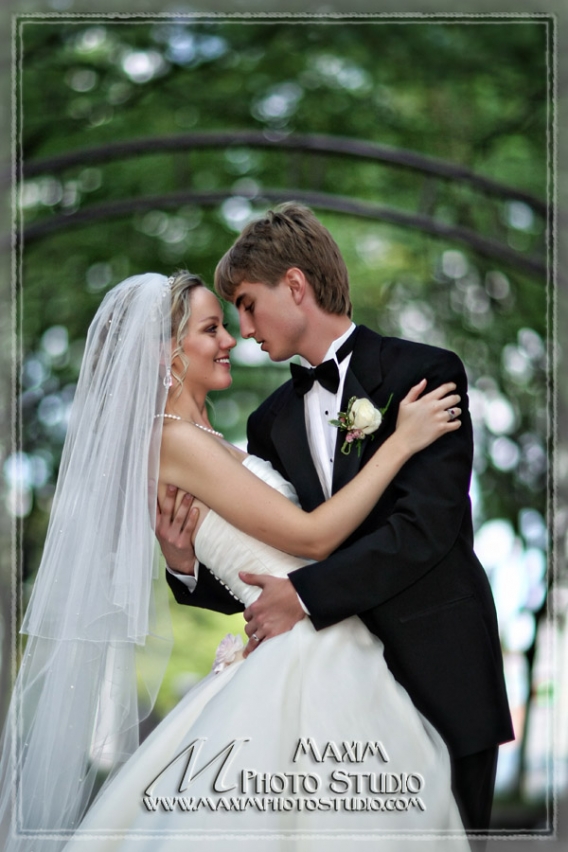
x: 182, y: 283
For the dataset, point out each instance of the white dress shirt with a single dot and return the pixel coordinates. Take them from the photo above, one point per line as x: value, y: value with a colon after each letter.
x: 320, y: 406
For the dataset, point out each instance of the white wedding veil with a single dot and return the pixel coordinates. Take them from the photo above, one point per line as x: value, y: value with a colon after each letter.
x: 97, y: 640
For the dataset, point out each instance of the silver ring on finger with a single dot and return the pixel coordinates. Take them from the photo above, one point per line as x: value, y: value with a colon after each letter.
x: 255, y: 637
x: 452, y: 414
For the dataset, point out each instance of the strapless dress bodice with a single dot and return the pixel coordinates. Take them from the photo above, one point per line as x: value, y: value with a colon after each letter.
x: 226, y: 551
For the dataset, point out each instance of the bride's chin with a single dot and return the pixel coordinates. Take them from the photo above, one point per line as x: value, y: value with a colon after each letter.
x: 219, y: 386
x: 223, y: 383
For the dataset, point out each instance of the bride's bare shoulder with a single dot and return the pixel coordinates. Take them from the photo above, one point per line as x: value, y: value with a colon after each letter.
x: 190, y: 457
x: 183, y: 437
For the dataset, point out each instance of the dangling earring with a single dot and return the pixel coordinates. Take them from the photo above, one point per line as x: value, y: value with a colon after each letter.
x: 168, y: 381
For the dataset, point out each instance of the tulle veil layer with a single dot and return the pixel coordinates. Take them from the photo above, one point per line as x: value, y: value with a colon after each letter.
x: 97, y: 625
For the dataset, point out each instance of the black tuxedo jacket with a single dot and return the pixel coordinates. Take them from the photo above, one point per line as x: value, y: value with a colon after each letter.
x: 409, y: 571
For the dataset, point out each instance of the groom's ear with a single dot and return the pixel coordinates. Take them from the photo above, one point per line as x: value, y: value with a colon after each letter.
x: 296, y: 281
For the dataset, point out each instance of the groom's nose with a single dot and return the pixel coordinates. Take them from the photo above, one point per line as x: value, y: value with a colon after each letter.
x: 246, y: 324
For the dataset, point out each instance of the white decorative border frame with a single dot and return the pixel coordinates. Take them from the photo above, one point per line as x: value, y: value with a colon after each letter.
x: 299, y: 18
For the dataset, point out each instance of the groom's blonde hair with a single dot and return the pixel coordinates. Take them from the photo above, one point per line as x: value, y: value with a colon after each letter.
x: 288, y: 236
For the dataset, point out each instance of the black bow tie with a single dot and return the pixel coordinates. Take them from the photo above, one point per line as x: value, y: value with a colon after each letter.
x: 327, y: 374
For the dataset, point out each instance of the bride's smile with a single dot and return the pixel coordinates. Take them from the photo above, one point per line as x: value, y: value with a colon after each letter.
x: 207, y: 345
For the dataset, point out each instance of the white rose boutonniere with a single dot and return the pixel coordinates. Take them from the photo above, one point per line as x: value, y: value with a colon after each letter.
x: 359, y: 420
x: 365, y: 417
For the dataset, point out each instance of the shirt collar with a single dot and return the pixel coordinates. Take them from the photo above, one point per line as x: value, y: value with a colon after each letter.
x: 336, y: 344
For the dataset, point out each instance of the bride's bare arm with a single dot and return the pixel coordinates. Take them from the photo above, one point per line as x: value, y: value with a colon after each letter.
x: 196, y: 462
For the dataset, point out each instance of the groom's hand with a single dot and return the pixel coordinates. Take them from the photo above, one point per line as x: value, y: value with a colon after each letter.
x: 275, y: 611
x: 174, y: 529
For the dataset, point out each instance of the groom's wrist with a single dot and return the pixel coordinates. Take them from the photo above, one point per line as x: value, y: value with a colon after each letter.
x: 189, y: 580
x: 300, y: 599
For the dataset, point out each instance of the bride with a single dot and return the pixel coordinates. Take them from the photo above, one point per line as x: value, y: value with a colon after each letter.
x: 309, y: 740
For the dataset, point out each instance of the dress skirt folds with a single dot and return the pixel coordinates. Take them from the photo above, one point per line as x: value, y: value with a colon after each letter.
x: 308, y: 745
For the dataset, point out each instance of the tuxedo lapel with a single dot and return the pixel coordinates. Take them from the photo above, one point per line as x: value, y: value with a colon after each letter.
x: 363, y: 380
x: 345, y: 467
x: 365, y: 361
x: 291, y: 442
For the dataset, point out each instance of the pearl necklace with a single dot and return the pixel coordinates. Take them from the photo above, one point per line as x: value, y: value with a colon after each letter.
x: 193, y: 423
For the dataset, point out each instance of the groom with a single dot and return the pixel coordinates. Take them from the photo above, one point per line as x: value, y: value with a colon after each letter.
x: 409, y: 572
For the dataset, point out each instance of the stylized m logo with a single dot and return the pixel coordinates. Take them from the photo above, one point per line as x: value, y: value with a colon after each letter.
x: 192, y: 752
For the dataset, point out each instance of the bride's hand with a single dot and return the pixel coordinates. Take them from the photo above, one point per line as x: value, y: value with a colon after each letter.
x: 423, y: 419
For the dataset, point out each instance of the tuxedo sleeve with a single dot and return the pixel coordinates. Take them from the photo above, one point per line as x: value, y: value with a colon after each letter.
x: 429, y: 501
x: 208, y: 593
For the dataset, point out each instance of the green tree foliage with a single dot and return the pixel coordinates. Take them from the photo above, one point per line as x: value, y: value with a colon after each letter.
x: 475, y: 96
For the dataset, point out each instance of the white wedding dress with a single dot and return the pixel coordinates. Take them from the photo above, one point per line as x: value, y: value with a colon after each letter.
x: 308, y: 744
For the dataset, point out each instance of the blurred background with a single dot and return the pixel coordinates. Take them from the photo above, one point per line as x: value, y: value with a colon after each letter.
x: 425, y: 148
